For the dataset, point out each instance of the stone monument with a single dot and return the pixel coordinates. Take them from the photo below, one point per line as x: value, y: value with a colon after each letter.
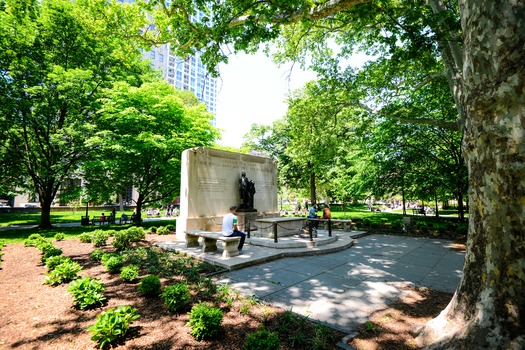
x: 211, y: 183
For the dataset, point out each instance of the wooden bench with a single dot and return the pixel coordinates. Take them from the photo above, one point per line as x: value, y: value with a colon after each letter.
x: 210, y: 242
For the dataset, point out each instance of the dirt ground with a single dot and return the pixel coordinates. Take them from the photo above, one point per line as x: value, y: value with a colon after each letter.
x: 37, y: 316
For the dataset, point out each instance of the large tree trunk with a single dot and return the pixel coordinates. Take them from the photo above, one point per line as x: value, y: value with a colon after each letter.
x: 488, y: 308
x: 313, y: 195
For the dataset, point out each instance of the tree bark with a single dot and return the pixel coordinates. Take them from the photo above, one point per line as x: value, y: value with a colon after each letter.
x: 488, y: 308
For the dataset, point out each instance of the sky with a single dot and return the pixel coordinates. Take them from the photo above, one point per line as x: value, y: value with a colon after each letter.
x: 252, y: 89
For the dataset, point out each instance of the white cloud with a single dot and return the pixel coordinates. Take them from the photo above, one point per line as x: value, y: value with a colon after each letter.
x: 253, y: 90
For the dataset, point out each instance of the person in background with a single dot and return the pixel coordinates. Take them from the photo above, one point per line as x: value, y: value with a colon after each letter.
x: 312, y: 214
x: 102, y: 218
x: 326, y: 213
x: 230, y: 229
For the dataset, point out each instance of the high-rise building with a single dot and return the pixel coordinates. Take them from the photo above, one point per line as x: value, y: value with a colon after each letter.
x: 185, y: 74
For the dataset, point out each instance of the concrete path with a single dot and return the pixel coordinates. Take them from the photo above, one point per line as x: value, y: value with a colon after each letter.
x: 343, y: 288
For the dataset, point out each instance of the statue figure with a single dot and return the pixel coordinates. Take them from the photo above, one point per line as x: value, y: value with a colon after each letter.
x: 247, y: 190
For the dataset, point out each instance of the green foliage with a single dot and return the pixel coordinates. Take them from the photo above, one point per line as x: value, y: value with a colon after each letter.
x: 33, y: 240
x: 129, y: 273
x: 153, y: 229
x: 262, y: 340
x: 176, y: 296
x: 54, y: 261
x: 62, y: 273
x: 396, y: 225
x: 113, y: 264
x: 323, y: 338
x: 121, y: 240
x: 51, y: 252
x: 86, y: 237
x: 163, y: 230
x: 60, y: 237
x: 99, y: 238
x: 150, y: 286
x: 113, y: 324
x: 136, y: 234
x: 87, y: 292
x: 97, y: 254
x: 170, y: 227
x: 205, y: 321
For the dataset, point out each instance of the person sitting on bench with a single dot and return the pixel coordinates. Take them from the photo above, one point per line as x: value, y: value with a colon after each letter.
x: 230, y: 229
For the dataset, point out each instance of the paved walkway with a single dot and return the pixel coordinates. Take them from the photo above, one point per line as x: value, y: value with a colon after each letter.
x: 340, y: 287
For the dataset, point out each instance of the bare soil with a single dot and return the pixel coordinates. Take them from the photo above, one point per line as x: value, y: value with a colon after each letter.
x: 38, y: 316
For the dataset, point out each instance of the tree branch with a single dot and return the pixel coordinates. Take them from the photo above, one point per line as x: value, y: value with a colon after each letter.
x: 427, y: 121
x: 329, y: 8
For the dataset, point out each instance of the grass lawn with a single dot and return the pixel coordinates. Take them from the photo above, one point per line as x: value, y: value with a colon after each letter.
x: 14, y: 235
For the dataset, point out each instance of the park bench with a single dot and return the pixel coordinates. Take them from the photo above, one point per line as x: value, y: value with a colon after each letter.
x: 210, y: 242
x: 417, y: 211
x: 110, y: 219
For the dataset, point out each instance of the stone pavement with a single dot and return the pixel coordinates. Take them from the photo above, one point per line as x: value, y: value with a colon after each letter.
x: 340, y: 286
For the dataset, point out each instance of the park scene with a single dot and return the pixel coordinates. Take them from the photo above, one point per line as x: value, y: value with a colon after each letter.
x: 383, y: 210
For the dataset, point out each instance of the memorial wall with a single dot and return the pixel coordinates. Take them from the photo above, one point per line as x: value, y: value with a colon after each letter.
x: 210, y: 185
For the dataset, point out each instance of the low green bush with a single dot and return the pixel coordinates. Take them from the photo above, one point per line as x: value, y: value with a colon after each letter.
x: 87, y: 292
x: 60, y: 236
x: 121, y: 240
x: 205, y: 321
x: 56, y: 260
x: 99, y: 238
x: 396, y: 226
x: 62, y: 273
x: 33, y: 240
x: 97, y: 254
x: 150, y: 286
x: 170, y: 227
x: 85, y: 237
x: 129, y: 273
x: 153, y: 229
x: 163, y: 230
x: 262, y: 340
x: 113, y: 264
x: 113, y: 325
x: 136, y: 234
x: 176, y: 296
x: 50, y: 252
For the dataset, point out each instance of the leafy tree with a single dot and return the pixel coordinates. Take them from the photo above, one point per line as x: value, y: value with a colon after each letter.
x: 53, y: 73
x: 145, y: 129
x: 480, y: 44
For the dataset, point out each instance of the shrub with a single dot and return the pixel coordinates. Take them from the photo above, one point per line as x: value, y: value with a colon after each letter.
x: 114, y: 264
x: 44, y: 246
x: 65, y: 272
x: 97, y: 254
x: 176, y: 296
x: 129, y: 273
x: 205, y: 321
x: 99, y: 238
x: 121, y: 241
x: 87, y: 292
x: 136, y: 234
x: 153, y: 229
x: 163, y: 230
x: 170, y: 227
x: 56, y: 260
x: 262, y: 340
x: 51, y: 252
x: 113, y: 324
x: 150, y: 286
x: 60, y: 237
x: 396, y: 226
x: 33, y: 240
x: 85, y: 237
